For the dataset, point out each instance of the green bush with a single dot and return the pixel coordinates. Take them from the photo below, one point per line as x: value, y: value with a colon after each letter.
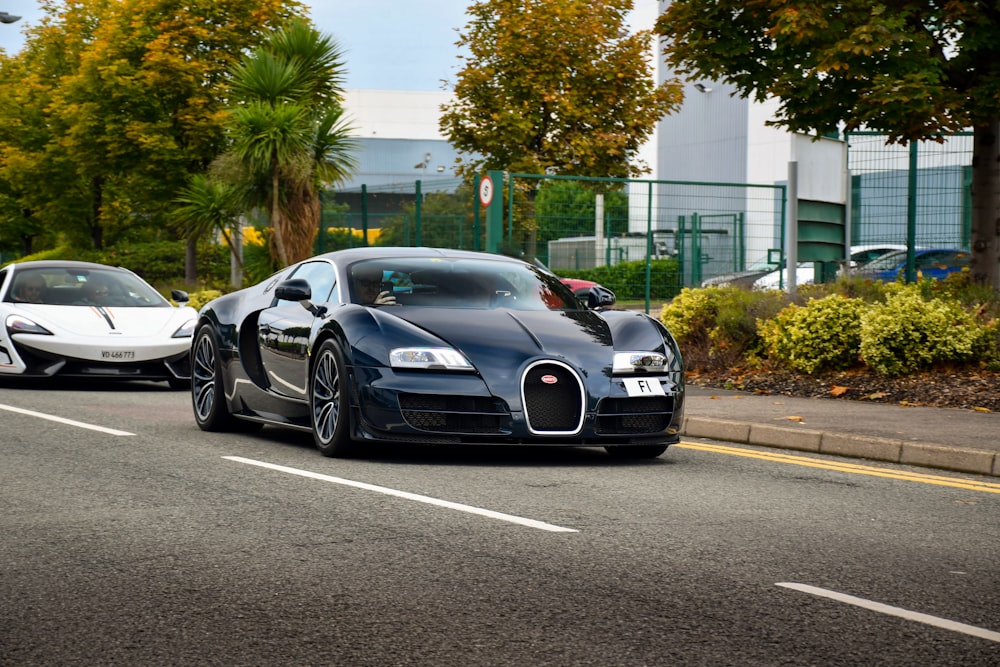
x: 822, y: 335
x: 628, y: 279
x: 160, y: 263
x: 908, y: 333
x: 719, y: 324
x: 201, y: 297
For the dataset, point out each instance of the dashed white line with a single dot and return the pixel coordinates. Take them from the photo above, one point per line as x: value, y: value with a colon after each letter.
x: 63, y: 420
x: 510, y: 518
x: 896, y: 611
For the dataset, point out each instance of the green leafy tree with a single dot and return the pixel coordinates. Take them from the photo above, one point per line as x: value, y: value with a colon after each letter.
x: 209, y: 205
x: 567, y: 208
x: 120, y: 102
x: 446, y: 221
x: 288, y: 130
x: 914, y: 70
x: 555, y: 85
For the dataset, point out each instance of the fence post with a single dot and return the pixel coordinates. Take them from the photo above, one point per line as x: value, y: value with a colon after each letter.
x: 416, y: 215
x: 911, y: 214
x: 476, y: 206
x: 364, y: 214
x: 494, y: 210
x: 792, y: 230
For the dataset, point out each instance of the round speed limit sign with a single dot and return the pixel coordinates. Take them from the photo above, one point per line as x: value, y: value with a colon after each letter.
x: 486, y: 191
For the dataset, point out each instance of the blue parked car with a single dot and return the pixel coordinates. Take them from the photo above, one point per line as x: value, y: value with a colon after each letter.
x: 935, y: 263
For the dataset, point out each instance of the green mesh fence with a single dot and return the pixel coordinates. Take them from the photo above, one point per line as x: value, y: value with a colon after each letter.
x: 917, y: 193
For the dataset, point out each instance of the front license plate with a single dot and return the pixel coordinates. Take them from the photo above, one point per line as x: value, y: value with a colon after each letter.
x: 643, y: 387
x: 118, y: 355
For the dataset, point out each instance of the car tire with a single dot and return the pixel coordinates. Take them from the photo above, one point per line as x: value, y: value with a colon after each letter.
x: 329, y: 403
x: 636, y: 451
x: 207, y: 387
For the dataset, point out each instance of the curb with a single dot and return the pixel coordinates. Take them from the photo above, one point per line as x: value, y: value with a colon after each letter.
x: 942, y: 457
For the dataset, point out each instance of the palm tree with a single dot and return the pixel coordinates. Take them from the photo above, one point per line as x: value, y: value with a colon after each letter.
x: 208, y: 204
x: 287, y: 128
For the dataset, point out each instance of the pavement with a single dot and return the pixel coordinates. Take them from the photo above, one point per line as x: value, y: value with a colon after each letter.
x: 958, y: 440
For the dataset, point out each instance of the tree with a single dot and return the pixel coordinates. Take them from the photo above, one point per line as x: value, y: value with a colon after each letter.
x: 555, y: 85
x: 117, y: 103
x: 911, y: 69
x: 289, y: 132
x: 211, y: 205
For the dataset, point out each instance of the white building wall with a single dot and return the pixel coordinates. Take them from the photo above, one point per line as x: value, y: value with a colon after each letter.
x: 395, y: 114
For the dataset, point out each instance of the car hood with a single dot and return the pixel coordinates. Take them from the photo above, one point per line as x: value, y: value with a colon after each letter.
x: 85, y: 321
x: 500, y: 342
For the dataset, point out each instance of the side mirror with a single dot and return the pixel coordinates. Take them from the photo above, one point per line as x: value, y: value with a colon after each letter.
x: 295, y: 289
x: 600, y: 297
x: 180, y: 296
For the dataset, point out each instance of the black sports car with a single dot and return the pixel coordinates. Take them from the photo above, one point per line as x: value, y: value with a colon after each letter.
x: 435, y: 346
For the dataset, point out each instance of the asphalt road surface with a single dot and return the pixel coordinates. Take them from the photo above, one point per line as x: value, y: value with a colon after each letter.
x: 130, y: 537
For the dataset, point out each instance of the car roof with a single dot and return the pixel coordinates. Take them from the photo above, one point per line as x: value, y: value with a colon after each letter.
x: 389, y: 252
x: 63, y: 264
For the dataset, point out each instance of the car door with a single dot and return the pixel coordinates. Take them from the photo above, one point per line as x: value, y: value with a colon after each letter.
x: 284, y: 329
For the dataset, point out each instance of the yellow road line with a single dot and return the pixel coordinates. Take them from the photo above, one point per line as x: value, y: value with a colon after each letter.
x: 986, y: 487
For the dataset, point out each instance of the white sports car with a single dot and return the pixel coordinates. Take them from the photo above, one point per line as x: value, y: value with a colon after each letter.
x: 79, y: 319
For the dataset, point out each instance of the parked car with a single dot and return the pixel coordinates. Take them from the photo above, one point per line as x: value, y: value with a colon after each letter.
x: 469, y: 348
x: 746, y: 278
x: 806, y: 273
x: 935, y: 263
x: 80, y: 319
x: 581, y: 288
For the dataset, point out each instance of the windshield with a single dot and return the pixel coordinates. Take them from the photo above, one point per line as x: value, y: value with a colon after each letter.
x: 437, y: 282
x: 886, y: 261
x: 62, y: 286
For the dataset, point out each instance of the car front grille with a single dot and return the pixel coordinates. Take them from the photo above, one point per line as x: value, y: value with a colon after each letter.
x: 646, y: 414
x: 454, y: 414
x: 553, y: 399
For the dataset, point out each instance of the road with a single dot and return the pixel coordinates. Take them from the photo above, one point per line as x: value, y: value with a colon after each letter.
x: 150, y: 542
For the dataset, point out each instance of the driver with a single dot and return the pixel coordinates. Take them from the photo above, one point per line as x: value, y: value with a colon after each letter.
x: 368, y: 287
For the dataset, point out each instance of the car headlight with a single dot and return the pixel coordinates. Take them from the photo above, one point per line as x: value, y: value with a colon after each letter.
x: 627, y: 363
x: 186, y: 330
x: 435, y: 358
x: 20, y: 324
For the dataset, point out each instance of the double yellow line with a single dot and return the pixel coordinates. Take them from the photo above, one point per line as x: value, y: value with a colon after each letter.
x: 853, y: 468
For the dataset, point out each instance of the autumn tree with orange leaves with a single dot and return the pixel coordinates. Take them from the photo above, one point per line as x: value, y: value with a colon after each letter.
x: 110, y: 106
x: 555, y: 85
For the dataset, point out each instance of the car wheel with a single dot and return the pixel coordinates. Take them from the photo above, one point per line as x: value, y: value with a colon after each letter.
x: 207, y: 390
x: 330, y: 404
x: 636, y: 451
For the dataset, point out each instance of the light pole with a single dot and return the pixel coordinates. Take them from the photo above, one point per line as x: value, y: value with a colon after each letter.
x: 8, y: 18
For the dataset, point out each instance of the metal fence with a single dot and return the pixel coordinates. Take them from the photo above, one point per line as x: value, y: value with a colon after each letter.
x: 573, y: 223
x: 916, y: 195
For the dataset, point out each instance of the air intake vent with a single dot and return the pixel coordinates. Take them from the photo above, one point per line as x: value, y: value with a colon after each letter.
x: 553, y: 399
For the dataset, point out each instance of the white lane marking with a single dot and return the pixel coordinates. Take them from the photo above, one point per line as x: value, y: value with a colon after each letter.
x: 531, y: 523
x: 897, y: 611
x: 62, y: 420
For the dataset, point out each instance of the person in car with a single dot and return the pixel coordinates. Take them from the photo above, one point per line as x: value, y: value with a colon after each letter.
x: 30, y: 290
x: 368, y: 287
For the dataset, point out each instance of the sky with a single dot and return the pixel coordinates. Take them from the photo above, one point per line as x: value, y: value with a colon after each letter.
x: 388, y: 44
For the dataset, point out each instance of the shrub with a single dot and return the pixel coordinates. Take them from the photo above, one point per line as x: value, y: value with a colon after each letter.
x: 821, y: 335
x: 718, y: 324
x: 908, y: 333
x: 628, y: 279
x: 200, y: 298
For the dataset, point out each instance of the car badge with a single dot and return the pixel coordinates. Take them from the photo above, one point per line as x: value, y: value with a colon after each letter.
x: 549, y: 379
